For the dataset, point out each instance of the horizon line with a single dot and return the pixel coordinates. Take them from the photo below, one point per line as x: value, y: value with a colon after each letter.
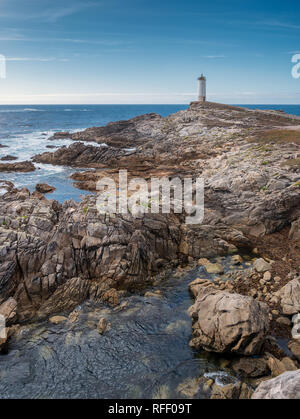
x: 142, y: 104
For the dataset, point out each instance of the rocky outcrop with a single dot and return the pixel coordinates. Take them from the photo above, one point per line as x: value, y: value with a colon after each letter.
x: 285, y: 386
x: 55, y: 255
x: 80, y: 155
x: 121, y: 134
x: 24, y: 166
x: 8, y: 158
x: 229, y: 323
x: 290, y: 297
x: 44, y: 188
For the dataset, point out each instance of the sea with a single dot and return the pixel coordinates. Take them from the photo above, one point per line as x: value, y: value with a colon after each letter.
x: 25, y: 131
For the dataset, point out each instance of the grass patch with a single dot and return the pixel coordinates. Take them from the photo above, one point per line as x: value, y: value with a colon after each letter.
x: 279, y: 136
x: 291, y: 163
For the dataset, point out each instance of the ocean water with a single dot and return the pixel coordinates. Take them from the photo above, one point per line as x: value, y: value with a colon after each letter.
x: 144, y: 354
x: 25, y: 131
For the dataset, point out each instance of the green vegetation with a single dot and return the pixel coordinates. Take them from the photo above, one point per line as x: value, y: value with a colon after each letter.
x: 85, y: 210
x: 297, y: 184
x: 278, y: 136
x: 292, y: 163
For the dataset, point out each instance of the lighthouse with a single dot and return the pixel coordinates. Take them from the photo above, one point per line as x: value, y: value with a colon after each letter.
x: 202, y: 89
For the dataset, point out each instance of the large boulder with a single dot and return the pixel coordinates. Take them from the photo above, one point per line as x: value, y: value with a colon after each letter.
x: 261, y: 265
x: 227, y: 322
x: 295, y: 230
x: 290, y: 297
x: 285, y: 386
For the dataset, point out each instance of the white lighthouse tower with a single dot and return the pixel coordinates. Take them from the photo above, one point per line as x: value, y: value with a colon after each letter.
x: 202, y: 89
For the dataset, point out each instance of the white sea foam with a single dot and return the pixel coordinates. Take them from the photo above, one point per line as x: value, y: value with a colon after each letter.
x: 25, y: 146
x: 21, y: 110
x: 221, y: 378
x: 33, y: 110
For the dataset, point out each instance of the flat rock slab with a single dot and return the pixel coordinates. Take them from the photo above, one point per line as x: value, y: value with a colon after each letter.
x: 285, y: 386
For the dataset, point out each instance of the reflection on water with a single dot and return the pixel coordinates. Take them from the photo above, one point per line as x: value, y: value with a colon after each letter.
x: 144, y: 354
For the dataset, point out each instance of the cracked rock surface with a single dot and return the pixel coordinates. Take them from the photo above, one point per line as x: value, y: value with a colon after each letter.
x: 231, y: 323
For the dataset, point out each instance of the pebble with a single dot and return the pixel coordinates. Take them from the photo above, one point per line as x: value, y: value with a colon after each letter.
x: 237, y: 259
x: 214, y: 268
x: 267, y: 276
x: 102, y: 326
x: 153, y: 294
x: 57, y: 319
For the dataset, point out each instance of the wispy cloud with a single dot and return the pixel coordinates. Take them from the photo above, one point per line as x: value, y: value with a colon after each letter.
x: 278, y: 24
x: 39, y: 59
x: 213, y: 56
x: 208, y: 42
x: 105, y: 42
x: 51, y: 14
x: 15, y: 36
x: 55, y: 14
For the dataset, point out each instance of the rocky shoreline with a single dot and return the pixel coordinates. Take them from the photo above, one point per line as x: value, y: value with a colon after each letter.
x: 55, y: 256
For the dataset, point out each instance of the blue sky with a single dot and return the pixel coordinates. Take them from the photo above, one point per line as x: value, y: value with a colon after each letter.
x: 148, y: 51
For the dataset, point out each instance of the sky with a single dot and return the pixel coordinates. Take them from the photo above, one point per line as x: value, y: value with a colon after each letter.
x: 148, y: 51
